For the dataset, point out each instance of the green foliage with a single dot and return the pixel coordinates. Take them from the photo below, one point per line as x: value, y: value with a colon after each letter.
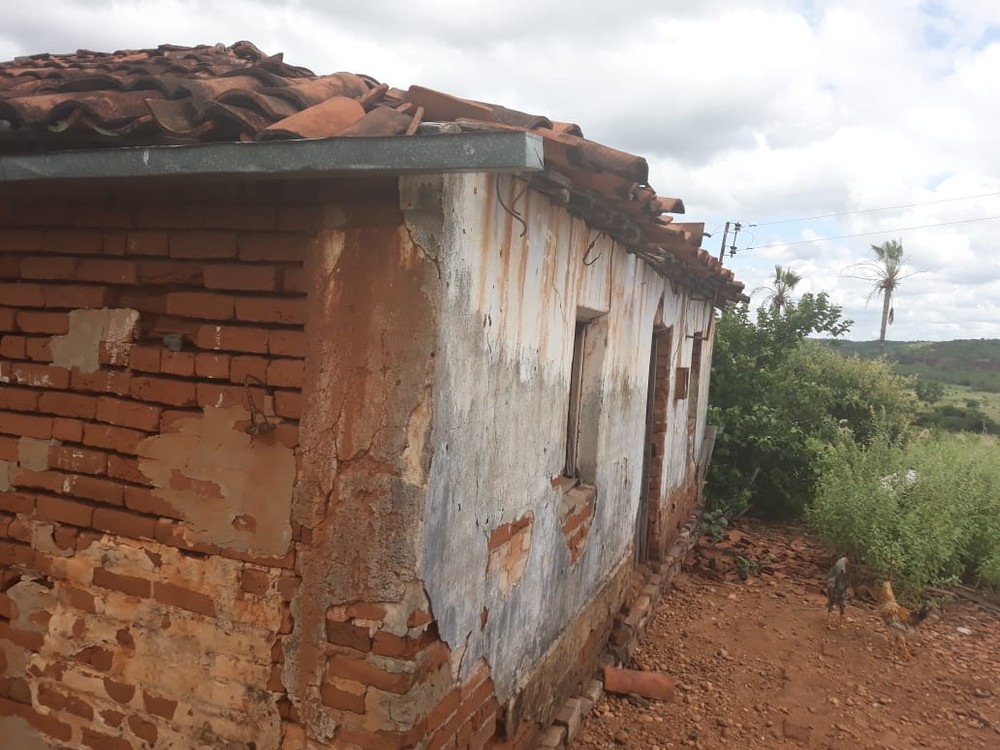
x: 779, y: 400
x: 714, y: 523
x: 929, y: 391
x: 967, y: 362
x: 942, y: 527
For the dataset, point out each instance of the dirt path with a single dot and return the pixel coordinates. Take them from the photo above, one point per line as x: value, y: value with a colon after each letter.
x: 757, y: 668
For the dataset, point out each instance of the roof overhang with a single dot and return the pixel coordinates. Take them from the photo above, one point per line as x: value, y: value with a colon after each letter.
x: 502, y: 151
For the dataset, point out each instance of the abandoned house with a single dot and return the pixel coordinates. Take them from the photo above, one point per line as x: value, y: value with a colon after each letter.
x: 331, y: 414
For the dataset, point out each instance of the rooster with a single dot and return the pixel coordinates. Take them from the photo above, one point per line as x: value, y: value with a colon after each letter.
x: 899, y: 620
x: 836, y: 590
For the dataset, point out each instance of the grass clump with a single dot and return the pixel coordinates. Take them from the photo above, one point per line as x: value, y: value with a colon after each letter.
x: 924, y: 512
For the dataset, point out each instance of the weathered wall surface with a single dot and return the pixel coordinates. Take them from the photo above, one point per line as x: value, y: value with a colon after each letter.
x: 151, y: 359
x: 514, y: 283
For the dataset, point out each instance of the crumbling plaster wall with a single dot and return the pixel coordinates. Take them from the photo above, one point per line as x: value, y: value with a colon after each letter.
x: 513, y: 282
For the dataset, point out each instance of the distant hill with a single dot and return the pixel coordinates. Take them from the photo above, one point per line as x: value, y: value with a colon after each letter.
x: 970, y: 362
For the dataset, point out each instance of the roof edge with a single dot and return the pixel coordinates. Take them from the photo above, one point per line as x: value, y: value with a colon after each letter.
x: 501, y: 151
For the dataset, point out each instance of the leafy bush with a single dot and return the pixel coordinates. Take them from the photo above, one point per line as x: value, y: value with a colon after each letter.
x: 941, y: 527
x: 779, y: 400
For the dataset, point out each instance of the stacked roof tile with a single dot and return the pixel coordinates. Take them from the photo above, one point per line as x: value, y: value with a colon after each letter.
x: 175, y: 94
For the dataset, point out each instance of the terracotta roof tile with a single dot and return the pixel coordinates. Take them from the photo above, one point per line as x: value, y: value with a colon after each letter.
x: 177, y: 94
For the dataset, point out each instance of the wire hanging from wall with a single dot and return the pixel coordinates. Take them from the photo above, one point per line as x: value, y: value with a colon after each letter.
x: 591, y: 247
x: 510, y: 209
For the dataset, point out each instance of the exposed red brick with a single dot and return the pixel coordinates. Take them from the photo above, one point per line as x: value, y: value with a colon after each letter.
x: 286, y: 373
x: 130, y: 585
x: 163, y: 391
x: 208, y: 305
x: 143, y: 729
x: 241, y: 277
x: 86, y: 241
x: 23, y: 240
x: 224, y: 396
x: 47, y: 724
x: 335, y: 698
x: 64, y: 511
x: 146, y: 243
x: 287, y: 343
x: 109, y: 437
x: 119, y: 692
x: 39, y: 376
x: 163, y: 707
x: 77, y: 599
x: 68, y: 405
x: 127, y: 470
x: 26, y: 425
x: 39, y: 349
x: 74, y: 459
x: 254, y: 581
x: 202, y: 245
x: 169, y: 272
x: 232, y: 338
x: 279, y: 246
x: 97, y: 657
x: 107, y: 271
x: 95, y: 488
x: 112, y: 718
x: 67, y: 430
x: 52, y: 481
x: 65, y: 537
x: 177, y: 363
x: 53, y: 323
x: 348, y: 634
x: 294, y: 279
x: 17, y: 502
x: 360, y: 670
x: 8, y: 316
x: 146, y: 358
x: 124, y: 523
x: 246, y: 365
x: 178, y: 596
x: 212, y: 365
x: 76, y: 297
x: 124, y: 413
x: 12, y: 347
x: 288, y: 311
x: 21, y: 294
x: 104, y: 381
x: 18, y: 399
x: 388, y: 644
x: 100, y: 741
x: 145, y: 500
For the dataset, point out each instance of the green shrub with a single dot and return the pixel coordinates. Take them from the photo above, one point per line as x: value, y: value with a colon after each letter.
x: 941, y: 528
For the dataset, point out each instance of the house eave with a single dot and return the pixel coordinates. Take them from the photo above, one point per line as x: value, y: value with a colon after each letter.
x: 325, y: 157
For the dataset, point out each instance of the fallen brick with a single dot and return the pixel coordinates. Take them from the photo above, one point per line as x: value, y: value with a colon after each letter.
x: 655, y: 685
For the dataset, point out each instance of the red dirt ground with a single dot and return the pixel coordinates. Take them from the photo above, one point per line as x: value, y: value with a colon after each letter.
x: 756, y: 666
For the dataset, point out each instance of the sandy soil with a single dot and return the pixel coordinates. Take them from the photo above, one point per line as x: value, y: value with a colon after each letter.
x: 756, y: 666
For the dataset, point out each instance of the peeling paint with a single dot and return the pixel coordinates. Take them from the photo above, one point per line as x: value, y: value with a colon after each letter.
x: 231, y: 490
x: 88, y: 329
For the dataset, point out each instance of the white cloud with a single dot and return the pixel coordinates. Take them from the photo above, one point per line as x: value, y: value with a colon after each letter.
x: 755, y: 111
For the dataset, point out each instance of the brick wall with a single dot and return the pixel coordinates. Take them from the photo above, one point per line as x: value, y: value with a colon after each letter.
x: 148, y: 337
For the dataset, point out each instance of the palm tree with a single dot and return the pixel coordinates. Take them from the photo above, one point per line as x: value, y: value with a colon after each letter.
x: 886, y: 273
x: 779, y: 294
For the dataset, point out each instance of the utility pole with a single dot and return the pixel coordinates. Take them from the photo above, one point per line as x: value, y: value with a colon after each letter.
x: 732, y: 248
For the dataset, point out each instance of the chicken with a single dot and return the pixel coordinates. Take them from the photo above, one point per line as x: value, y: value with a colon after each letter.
x: 836, y: 590
x: 900, y: 621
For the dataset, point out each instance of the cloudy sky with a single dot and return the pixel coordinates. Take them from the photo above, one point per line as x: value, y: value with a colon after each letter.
x: 815, y: 124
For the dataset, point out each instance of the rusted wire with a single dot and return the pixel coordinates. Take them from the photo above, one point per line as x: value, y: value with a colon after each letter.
x: 258, y: 420
x: 510, y: 210
x: 591, y: 247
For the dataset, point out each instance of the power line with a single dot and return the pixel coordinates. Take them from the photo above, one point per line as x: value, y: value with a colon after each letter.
x: 879, y: 231
x: 871, y: 210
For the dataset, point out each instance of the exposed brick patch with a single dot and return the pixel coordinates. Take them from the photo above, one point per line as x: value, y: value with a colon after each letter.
x: 508, y: 546
x: 576, y: 515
